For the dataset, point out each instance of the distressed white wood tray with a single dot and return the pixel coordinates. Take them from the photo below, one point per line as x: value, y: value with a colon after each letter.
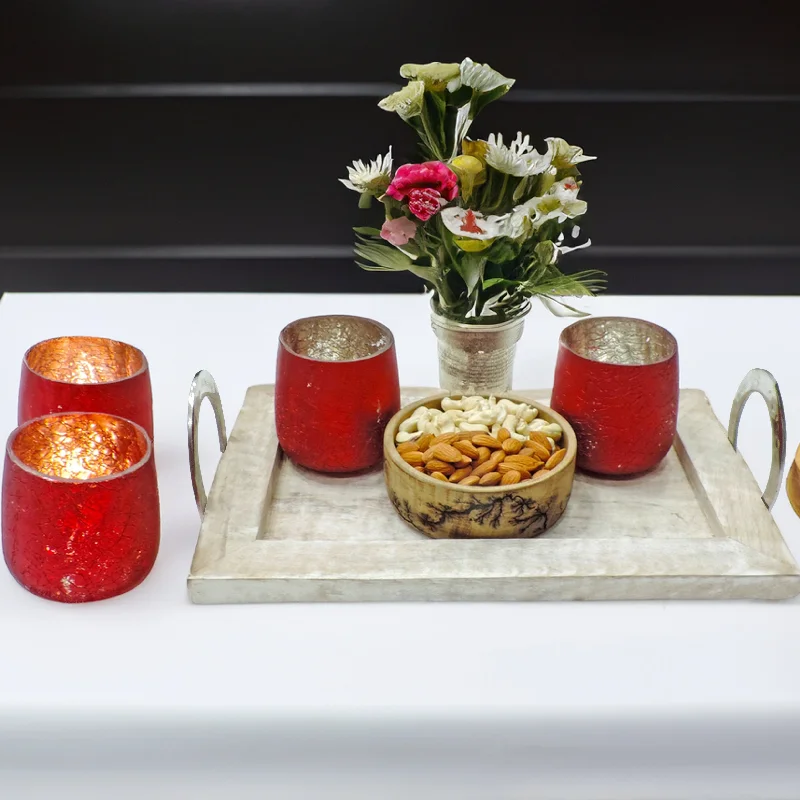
x: 695, y: 528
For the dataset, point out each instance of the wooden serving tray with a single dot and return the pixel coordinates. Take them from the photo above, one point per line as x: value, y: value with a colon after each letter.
x: 694, y: 528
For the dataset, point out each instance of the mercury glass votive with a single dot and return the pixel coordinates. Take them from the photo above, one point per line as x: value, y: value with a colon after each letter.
x: 336, y: 389
x: 616, y: 381
x: 86, y: 373
x: 80, y: 507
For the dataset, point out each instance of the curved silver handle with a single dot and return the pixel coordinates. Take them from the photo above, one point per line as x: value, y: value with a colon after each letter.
x: 759, y: 381
x: 203, y: 386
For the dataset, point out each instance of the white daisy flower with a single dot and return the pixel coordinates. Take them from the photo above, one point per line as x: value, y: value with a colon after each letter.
x: 468, y: 224
x: 480, y: 77
x: 372, y: 177
x: 407, y: 102
x: 519, y: 158
x: 539, y: 163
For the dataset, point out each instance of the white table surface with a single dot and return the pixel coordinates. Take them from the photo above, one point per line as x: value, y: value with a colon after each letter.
x: 149, y: 696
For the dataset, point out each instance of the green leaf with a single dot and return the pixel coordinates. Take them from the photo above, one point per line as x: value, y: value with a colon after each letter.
x: 365, y: 200
x: 560, y: 285
x: 385, y: 257
x: 470, y: 268
x: 503, y: 250
x: 497, y: 282
x: 569, y: 311
x: 462, y: 95
x: 368, y: 231
x: 480, y: 101
x: 545, y: 252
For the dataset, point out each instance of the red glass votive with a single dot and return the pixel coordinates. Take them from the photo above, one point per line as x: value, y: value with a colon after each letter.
x: 86, y: 373
x: 616, y: 381
x: 80, y: 509
x: 336, y: 389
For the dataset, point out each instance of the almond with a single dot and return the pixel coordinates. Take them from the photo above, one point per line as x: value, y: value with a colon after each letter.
x: 528, y: 462
x: 555, y: 459
x: 460, y: 474
x: 502, y: 435
x: 483, y: 455
x: 438, y: 476
x: 424, y: 442
x: 465, y: 436
x: 443, y: 438
x: 535, y: 436
x: 446, y: 452
x: 471, y: 480
x: 526, y: 451
x: 539, y: 450
x: 542, y: 473
x: 506, y: 467
x: 428, y: 455
x: 467, y: 448
x: 413, y: 458
x: 464, y: 462
x: 496, y: 457
x: 490, y: 479
x: 512, y: 446
x: 408, y: 447
x: 484, y: 469
x: 510, y: 477
x: 434, y: 465
x: 420, y: 469
x: 484, y: 440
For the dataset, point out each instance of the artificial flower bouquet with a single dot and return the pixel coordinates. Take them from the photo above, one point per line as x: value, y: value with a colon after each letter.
x: 483, y: 223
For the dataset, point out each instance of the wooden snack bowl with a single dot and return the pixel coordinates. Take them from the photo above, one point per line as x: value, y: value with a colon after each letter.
x: 449, y: 511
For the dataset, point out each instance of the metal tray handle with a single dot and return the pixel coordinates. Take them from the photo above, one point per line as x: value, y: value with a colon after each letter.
x: 203, y: 386
x: 759, y: 381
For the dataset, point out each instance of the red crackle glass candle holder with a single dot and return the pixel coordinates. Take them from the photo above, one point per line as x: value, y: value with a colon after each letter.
x: 80, y: 509
x: 617, y: 383
x: 336, y: 389
x: 86, y: 373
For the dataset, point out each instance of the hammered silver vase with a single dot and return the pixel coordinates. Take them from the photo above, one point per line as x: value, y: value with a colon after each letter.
x: 476, y: 359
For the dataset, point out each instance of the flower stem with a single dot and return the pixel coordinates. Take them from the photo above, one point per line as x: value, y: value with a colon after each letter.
x: 430, y: 137
x: 502, y: 193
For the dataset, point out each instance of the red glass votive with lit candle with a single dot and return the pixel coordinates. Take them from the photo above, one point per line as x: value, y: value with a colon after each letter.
x: 80, y: 508
x: 336, y: 389
x: 617, y: 383
x: 86, y: 373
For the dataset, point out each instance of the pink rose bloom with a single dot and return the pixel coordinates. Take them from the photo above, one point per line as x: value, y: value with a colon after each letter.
x: 398, y: 231
x: 427, y: 187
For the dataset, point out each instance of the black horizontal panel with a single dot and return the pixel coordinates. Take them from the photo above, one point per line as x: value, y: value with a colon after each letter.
x: 678, y: 274
x: 263, y: 172
x: 582, y: 44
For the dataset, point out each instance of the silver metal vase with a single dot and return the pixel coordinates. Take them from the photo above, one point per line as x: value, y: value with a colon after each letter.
x: 476, y: 359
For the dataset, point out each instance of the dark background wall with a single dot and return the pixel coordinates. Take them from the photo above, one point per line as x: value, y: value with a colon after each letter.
x: 195, y: 144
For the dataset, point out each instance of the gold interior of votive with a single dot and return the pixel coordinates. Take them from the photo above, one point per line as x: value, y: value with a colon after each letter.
x: 336, y: 338
x: 80, y: 446
x: 620, y: 340
x: 84, y: 359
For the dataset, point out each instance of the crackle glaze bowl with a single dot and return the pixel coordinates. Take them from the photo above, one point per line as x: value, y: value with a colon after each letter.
x: 445, y: 510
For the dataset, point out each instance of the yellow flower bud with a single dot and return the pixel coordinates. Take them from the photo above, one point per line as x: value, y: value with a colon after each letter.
x: 469, y: 245
x: 476, y: 149
x: 471, y: 173
x: 466, y: 165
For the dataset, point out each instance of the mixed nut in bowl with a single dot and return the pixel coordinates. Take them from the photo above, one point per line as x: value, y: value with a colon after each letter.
x: 479, y: 467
